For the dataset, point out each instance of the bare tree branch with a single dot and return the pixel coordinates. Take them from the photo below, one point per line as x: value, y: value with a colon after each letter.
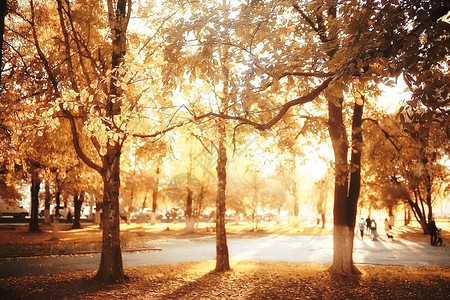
x: 161, y: 132
x: 76, y: 143
x: 78, y: 43
x: 284, y: 109
x: 386, y: 134
x: 200, y: 139
x: 70, y: 67
x: 308, y: 74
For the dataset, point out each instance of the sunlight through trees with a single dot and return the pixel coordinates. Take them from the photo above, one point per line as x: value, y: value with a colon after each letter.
x: 224, y: 110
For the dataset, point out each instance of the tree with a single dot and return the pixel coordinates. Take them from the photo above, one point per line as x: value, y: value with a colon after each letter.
x: 297, y: 135
x: 103, y: 98
x: 80, y: 181
x: 213, y: 63
x: 287, y: 171
x: 111, y: 269
x: 411, y: 168
x: 35, y: 185
x: 8, y: 172
x: 323, y: 187
x: 423, y: 60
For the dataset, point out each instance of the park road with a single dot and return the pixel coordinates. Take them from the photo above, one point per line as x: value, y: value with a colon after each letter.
x: 291, y: 248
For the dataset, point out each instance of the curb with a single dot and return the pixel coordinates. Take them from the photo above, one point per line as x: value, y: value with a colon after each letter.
x: 77, y: 253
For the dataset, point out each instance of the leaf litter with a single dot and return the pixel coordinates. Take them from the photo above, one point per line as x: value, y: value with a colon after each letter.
x: 246, y: 280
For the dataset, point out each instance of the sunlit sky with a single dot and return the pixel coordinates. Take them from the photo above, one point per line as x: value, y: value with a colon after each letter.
x: 394, y: 97
x: 312, y: 161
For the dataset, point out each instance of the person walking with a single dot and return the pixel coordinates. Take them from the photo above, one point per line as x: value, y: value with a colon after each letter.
x: 361, y: 226
x: 373, y: 230
x: 368, y: 224
x: 433, y: 232
x: 387, y: 227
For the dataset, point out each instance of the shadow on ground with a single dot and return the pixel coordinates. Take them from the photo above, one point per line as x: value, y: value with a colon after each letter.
x: 247, y: 280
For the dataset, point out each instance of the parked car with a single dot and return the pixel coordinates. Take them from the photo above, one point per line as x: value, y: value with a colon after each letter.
x: 86, y: 212
x: 174, y: 213
x: 145, y: 215
x: 7, y: 209
x: 63, y: 212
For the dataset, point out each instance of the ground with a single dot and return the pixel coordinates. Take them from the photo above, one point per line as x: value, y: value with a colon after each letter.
x: 246, y: 280
x: 17, y: 241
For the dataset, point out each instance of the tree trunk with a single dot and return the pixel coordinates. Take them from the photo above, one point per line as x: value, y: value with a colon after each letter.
x: 222, y: 257
x: 55, y: 234
x: 144, y: 203
x: 98, y: 213
x: 57, y: 202
x: 294, y: 193
x: 155, y: 196
x: 345, y: 197
x: 407, y: 215
x: 77, y: 202
x: 199, y: 204
x: 321, y: 206
x: 324, y: 219
x: 35, y: 185
x: 155, y: 190
x: 428, y: 185
x: 3, y: 12
x: 91, y: 207
x: 111, y: 266
x: 130, y: 207
x: 188, y: 214
x: 390, y: 210
x: 47, y: 203
x: 355, y: 163
x: 419, y: 213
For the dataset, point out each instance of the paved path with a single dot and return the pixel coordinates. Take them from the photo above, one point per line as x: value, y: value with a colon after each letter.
x: 292, y: 248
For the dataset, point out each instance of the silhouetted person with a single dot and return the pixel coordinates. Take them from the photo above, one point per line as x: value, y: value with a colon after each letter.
x: 439, y: 237
x: 69, y: 217
x: 368, y: 221
x: 433, y: 232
